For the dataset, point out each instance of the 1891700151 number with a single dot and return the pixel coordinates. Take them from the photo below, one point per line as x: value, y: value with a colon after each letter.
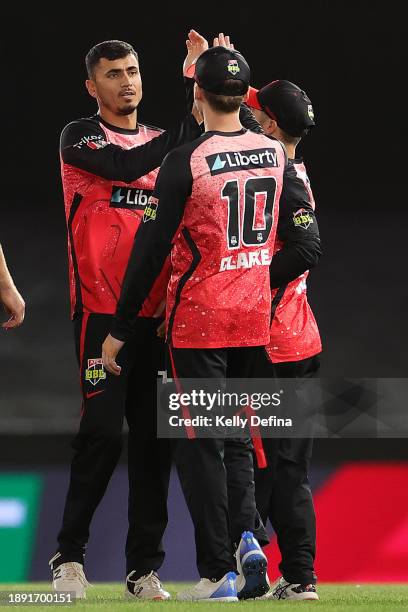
x: 31, y: 598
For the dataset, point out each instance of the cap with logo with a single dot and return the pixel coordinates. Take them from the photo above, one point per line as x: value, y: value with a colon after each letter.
x: 286, y: 103
x: 217, y: 65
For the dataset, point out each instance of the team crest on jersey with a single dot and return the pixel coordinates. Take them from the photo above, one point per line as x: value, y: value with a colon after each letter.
x: 95, y: 371
x: 302, y: 218
x: 233, y: 67
x: 150, y: 211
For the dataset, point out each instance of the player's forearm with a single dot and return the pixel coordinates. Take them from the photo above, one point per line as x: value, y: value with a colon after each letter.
x: 114, y: 163
x: 6, y: 281
x: 248, y: 120
x: 141, y: 274
x: 189, y: 89
x: 293, y: 260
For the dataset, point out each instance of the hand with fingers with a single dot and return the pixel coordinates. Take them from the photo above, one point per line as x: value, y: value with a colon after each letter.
x: 223, y: 41
x: 10, y: 298
x: 196, y: 45
x: 161, y: 330
x: 110, y: 350
x: 14, y: 306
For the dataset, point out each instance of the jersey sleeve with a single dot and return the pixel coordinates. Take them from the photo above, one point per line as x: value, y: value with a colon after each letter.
x: 84, y: 145
x: 248, y: 120
x: 189, y: 89
x: 298, y: 230
x: 153, y: 241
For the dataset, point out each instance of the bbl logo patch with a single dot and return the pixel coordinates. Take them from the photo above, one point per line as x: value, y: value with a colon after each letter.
x: 302, y: 218
x: 151, y: 209
x: 95, y: 371
x: 233, y: 67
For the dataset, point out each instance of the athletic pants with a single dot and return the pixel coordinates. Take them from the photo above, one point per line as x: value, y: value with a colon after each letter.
x: 107, y: 400
x: 282, y: 489
x: 216, y: 474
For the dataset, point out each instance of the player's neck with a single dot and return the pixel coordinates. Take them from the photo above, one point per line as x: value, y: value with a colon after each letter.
x: 125, y: 122
x: 290, y: 150
x: 221, y: 123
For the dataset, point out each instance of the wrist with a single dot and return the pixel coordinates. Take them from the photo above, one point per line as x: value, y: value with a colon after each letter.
x: 6, y: 284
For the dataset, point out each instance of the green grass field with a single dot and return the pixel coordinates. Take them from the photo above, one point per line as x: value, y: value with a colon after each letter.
x: 333, y: 598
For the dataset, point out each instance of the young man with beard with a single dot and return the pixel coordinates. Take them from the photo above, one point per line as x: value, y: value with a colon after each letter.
x: 109, y: 165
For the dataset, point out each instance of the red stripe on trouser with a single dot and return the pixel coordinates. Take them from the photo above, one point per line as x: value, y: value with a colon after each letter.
x: 185, y: 411
x: 256, y: 438
x: 84, y: 325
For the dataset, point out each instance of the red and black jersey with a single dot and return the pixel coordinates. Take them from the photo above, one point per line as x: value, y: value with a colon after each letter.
x: 294, y: 332
x: 108, y: 175
x: 216, y: 208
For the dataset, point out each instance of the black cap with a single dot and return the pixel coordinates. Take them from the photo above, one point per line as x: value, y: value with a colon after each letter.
x: 219, y: 64
x: 286, y: 103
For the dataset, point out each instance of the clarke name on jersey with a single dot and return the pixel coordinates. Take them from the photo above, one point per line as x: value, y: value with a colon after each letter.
x: 246, y: 260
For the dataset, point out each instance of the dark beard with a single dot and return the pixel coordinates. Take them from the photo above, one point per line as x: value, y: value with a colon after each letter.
x: 128, y: 110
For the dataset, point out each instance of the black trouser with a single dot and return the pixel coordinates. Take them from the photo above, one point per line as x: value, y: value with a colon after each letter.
x: 283, y: 492
x: 216, y: 474
x: 107, y: 400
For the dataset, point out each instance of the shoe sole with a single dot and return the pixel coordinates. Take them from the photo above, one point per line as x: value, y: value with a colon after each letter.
x: 128, y: 595
x: 78, y: 594
x: 256, y: 579
x: 306, y: 598
x: 213, y: 600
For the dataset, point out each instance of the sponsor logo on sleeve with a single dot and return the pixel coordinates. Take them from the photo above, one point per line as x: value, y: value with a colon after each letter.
x: 92, y: 142
x: 150, y: 210
x: 129, y: 197
x: 232, y: 161
x: 302, y: 218
x: 95, y: 371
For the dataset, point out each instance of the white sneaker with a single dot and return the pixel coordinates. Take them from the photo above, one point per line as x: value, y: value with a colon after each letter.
x: 146, y: 587
x: 69, y: 577
x: 282, y: 589
x: 225, y: 590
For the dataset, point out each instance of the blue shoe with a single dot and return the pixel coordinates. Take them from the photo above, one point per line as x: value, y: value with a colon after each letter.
x: 225, y: 590
x: 252, y: 564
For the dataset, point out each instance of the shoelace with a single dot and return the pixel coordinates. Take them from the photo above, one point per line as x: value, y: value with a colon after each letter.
x: 73, y: 571
x: 150, y: 579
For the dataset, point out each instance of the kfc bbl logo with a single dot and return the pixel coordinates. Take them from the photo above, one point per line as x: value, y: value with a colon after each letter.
x: 233, y: 67
x: 151, y: 209
x: 302, y: 218
x: 95, y: 372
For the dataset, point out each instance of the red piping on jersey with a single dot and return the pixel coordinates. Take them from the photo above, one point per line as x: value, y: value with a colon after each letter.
x: 185, y: 411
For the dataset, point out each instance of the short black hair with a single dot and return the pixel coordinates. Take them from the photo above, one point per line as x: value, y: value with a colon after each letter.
x: 110, y: 50
x: 228, y: 103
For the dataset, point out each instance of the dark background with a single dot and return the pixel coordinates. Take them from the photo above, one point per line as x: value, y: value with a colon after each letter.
x: 348, y: 58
